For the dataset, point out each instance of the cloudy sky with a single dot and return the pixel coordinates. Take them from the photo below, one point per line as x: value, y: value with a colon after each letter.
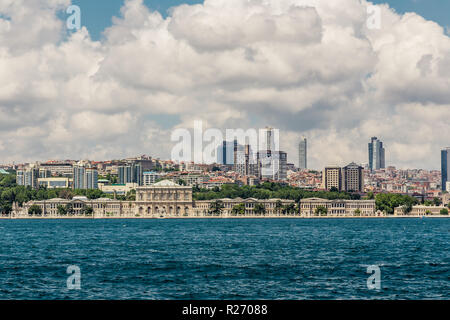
x: 137, y: 70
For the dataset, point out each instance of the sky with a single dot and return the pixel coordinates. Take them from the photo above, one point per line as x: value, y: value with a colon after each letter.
x: 97, y: 14
x: 136, y: 71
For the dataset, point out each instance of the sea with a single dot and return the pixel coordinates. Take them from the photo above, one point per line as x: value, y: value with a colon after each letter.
x: 233, y: 259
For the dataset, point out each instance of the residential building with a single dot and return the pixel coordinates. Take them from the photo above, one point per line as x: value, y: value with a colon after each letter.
x: 131, y: 173
x: 58, y: 168
x: 84, y: 177
x: 150, y: 178
x: 28, y: 177
x: 353, y: 178
x: 332, y: 178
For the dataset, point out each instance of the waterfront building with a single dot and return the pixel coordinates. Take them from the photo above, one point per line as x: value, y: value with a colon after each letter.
x: 103, y: 207
x: 168, y: 199
x: 420, y: 210
x: 164, y: 198
x: 303, y: 154
x: 272, y: 207
x: 445, y: 168
x: 338, y: 207
x: 376, y: 154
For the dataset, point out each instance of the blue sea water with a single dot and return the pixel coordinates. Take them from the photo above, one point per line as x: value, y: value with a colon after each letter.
x: 225, y: 258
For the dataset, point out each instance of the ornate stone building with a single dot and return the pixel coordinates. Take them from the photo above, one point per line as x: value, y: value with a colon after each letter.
x: 164, y: 198
x: 338, y: 207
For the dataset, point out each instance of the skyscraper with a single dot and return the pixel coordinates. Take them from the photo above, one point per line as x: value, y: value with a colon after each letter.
x: 302, y: 154
x: 272, y: 165
x: 445, y: 167
x: 376, y: 154
x: 246, y: 164
x: 225, y: 152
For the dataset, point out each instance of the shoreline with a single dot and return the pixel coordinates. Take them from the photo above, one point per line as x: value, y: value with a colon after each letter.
x: 227, y: 217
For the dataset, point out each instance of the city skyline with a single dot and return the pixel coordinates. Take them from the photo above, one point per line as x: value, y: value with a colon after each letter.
x: 98, y: 98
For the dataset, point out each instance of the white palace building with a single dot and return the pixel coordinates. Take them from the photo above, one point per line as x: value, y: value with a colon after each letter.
x: 166, y: 199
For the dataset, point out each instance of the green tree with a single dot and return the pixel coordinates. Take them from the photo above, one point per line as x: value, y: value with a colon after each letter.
x: 357, y: 212
x: 35, y: 210
x: 69, y: 209
x: 437, y: 201
x: 216, y: 207
x: 387, y: 202
x: 88, y: 211
x: 62, y: 210
x: 278, y: 207
x: 259, y: 209
x: 238, y: 210
x: 321, y: 211
x: 444, y: 212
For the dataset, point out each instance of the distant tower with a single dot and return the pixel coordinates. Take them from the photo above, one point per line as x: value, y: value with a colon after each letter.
x: 302, y: 154
x: 269, y: 139
x: 376, y: 154
x: 225, y: 152
x: 445, y: 166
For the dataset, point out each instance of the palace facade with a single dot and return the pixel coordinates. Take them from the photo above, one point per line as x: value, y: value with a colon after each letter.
x: 168, y: 199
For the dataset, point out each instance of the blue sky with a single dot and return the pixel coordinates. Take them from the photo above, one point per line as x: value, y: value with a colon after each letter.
x: 97, y: 14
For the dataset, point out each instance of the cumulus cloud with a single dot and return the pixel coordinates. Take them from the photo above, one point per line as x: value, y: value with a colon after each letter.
x: 308, y: 67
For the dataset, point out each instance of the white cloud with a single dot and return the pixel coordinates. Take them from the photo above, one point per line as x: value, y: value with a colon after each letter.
x: 308, y: 67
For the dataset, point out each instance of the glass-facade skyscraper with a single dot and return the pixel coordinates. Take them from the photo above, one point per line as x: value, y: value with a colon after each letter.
x: 445, y: 167
x: 225, y: 152
x: 376, y: 154
x: 303, y: 154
